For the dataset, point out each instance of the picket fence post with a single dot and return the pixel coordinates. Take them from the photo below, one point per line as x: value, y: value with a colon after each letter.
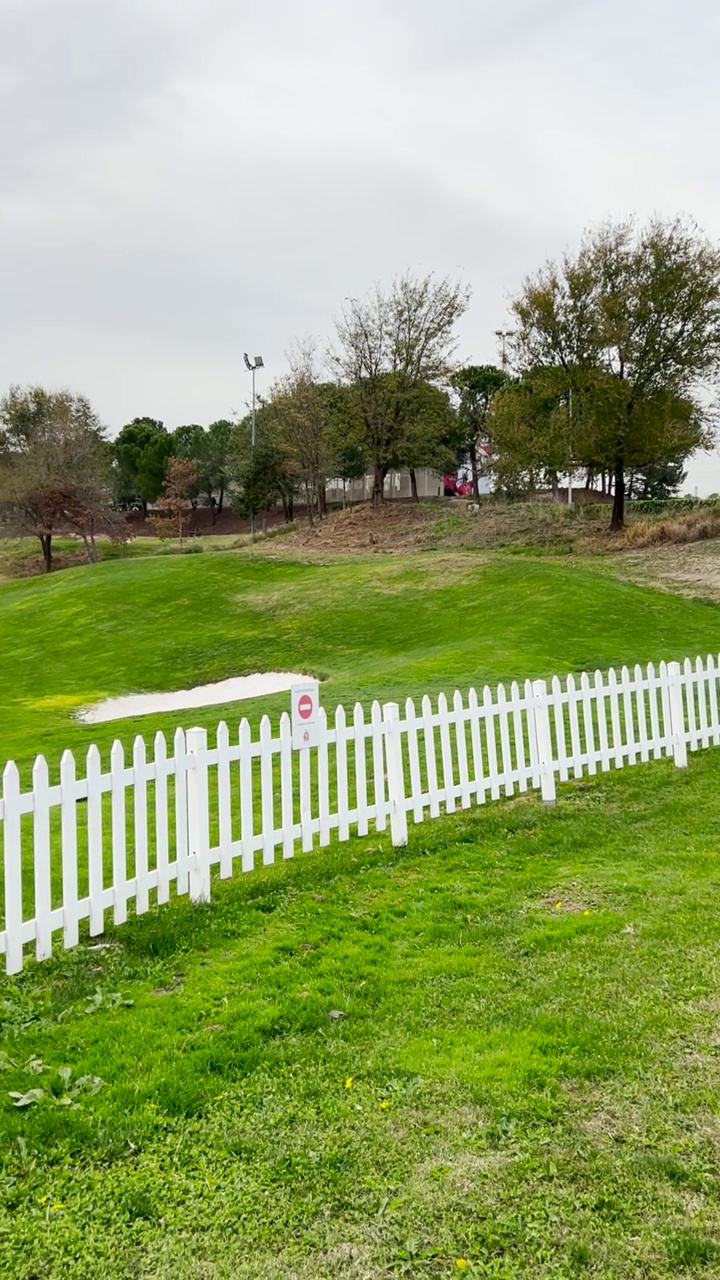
x: 198, y: 816
x: 395, y: 774
x: 677, y: 715
x: 541, y: 716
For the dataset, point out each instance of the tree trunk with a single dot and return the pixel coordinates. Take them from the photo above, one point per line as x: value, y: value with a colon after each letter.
x: 309, y: 500
x: 413, y: 485
x: 46, y: 544
x: 474, y: 469
x: 589, y: 479
x: 222, y: 496
x: 322, y: 499
x: 618, y: 512
x: 555, y: 484
x: 603, y: 483
x: 144, y: 508
x: 379, y: 474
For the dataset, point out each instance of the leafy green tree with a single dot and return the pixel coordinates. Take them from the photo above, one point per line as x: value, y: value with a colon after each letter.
x: 141, y: 451
x: 634, y: 321
x: 389, y: 344
x: 55, y: 471
x: 664, y: 480
x: 476, y: 385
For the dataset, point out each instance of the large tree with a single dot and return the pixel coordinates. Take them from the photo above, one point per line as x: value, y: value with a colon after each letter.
x: 141, y: 451
x: 55, y: 472
x: 633, y: 320
x: 388, y: 345
x: 476, y: 385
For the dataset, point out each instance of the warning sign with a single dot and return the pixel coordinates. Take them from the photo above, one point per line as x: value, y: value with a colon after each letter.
x: 305, y: 700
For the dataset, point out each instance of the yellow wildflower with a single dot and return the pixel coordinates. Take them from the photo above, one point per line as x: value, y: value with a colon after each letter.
x: 558, y: 906
x: 348, y: 1082
x: 58, y: 1205
x: 384, y: 1105
x: 461, y: 1264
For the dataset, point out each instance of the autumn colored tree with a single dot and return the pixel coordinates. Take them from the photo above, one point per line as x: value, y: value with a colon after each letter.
x: 174, y: 508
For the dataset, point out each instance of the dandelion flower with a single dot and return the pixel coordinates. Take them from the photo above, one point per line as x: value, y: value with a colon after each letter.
x: 384, y: 1105
x: 58, y: 1205
x: 348, y: 1082
x: 586, y: 913
x: 461, y: 1264
x: 43, y: 1200
x: 558, y: 906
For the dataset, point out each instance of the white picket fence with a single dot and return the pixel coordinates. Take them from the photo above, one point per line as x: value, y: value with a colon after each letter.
x: 85, y: 847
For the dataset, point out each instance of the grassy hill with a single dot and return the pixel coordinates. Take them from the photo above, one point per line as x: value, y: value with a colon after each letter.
x: 524, y: 1078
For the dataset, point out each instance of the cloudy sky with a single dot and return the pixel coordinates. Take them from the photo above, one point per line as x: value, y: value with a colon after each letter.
x: 183, y: 180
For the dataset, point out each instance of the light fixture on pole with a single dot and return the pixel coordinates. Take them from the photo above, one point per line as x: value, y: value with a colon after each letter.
x: 253, y: 367
x: 503, y: 335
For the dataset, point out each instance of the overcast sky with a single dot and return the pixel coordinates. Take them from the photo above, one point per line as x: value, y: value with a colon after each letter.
x: 183, y: 180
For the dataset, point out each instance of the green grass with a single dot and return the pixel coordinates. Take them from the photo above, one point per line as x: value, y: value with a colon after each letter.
x: 534, y: 1086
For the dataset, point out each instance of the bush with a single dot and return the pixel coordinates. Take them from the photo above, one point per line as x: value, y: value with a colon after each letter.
x: 693, y: 527
x: 668, y: 506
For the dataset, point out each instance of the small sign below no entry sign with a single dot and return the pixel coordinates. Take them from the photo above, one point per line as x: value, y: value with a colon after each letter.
x: 305, y: 702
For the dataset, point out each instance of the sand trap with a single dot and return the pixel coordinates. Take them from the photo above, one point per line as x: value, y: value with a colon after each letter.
x: 204, y: 695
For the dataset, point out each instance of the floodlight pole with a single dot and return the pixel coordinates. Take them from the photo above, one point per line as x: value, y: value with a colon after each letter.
x: 256, y: 364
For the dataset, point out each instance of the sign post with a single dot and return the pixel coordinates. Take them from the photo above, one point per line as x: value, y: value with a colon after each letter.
x: 305, y: 701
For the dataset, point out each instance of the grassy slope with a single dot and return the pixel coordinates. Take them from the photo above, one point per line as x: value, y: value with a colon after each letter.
x: 550, y: 1076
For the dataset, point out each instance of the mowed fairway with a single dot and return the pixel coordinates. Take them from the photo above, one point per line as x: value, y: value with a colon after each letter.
x: 524, y: 1079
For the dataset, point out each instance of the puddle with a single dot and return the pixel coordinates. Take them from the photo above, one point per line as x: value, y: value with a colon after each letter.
x: 203, y: 695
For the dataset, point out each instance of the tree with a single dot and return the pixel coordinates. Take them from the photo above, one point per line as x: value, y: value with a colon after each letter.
x: 430, y: 435
x: 141, y: 451
x: 663, y: 480
x: 389, y: 344
x: 476, y: 385
x: 173, y: 506
x: 528, y: 432
x: 55, y: 474
x: 634, y: 322
x: 209, y: 450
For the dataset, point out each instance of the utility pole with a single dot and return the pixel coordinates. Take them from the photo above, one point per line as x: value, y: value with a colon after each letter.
x: 503, y: 335
x: 258, y: 364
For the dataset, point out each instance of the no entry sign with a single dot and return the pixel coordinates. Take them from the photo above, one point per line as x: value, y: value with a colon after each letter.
x: 305, y: 702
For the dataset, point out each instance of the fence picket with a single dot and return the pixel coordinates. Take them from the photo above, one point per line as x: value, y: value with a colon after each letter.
x: 712, y: 679
x: 267, y: 801
x: 416, y: 790
x: 224, y: 796
x: 519, y: 736
x: 305, y: 801
x: 600, y: 696
x: 701, y: 685
x: 640, y: 713
x: 626, y: 687
x: 557, y: 699
x: 617, y: 737
x: 181, y: 826
x: 576, y: 749
x: 93, y: 773
x: 461, y: 749
x: 247, y: 820
x: 68, y: 837
x: 653, y: 689
x: 341, y: 764
x: 667, y: 724
x: 430, y: 761
x: 323, y: 779
x: 41, y: 859
x: 688, y: 682
x: 476, y: 744
x: 507, y: 765
x: 490, y: 743
x: 360, y: 760
x: 162, y: 841
x: 12, y: 867
x: 378, y: 759
x: 532, y: 735
x: 446, y: 754
x: 140, y: 827
x: 588, y: 727
x: 287, y: 803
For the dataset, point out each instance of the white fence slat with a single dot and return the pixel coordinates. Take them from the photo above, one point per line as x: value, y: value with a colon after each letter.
x: 490, y: 743
x: 140, y: 827
x: 559, y: 721
x: 378, y: 759
x: 573, y: 718
x: 516, y: 703
x: 461, y: 749
x: 12, y: 867
x: 41, y: 859
x: 688, y: 683
x: 701, y: 681
x: 677, y: 715
x: 119, y: 835
x: 641, y: 713
x: 198, y: 810
x: 601, y: 700
x: 361, y: 801
x: 543, y: 738
x: 395, y: 774
x: 96, y: 879
x: 503, y: 721
x: 712, y: 678
x: 341, y: 764
x: 532, y: 735
x: 247, y: 819
x: 287, y: 804
x: 617, y: 735
x: 416, y: 789
x: 627, y: 717
x: 446, y: 753
x: 162, y: 829
x: 667, y: 729
x: 588, y: 726
x: 476, y: 746
x: 305, y: 801
x: 267, y: 801
x: 323, y: 770
x: 430, y: 760
x: 69, y: 861
x: 652, y: 696
x: 224, y: 796
x: 181, y: 825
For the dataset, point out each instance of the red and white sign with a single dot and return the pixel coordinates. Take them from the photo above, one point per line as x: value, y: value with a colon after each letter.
x: 305, y: 701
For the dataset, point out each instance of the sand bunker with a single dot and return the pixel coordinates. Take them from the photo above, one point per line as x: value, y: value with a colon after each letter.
x: 204, y: 695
